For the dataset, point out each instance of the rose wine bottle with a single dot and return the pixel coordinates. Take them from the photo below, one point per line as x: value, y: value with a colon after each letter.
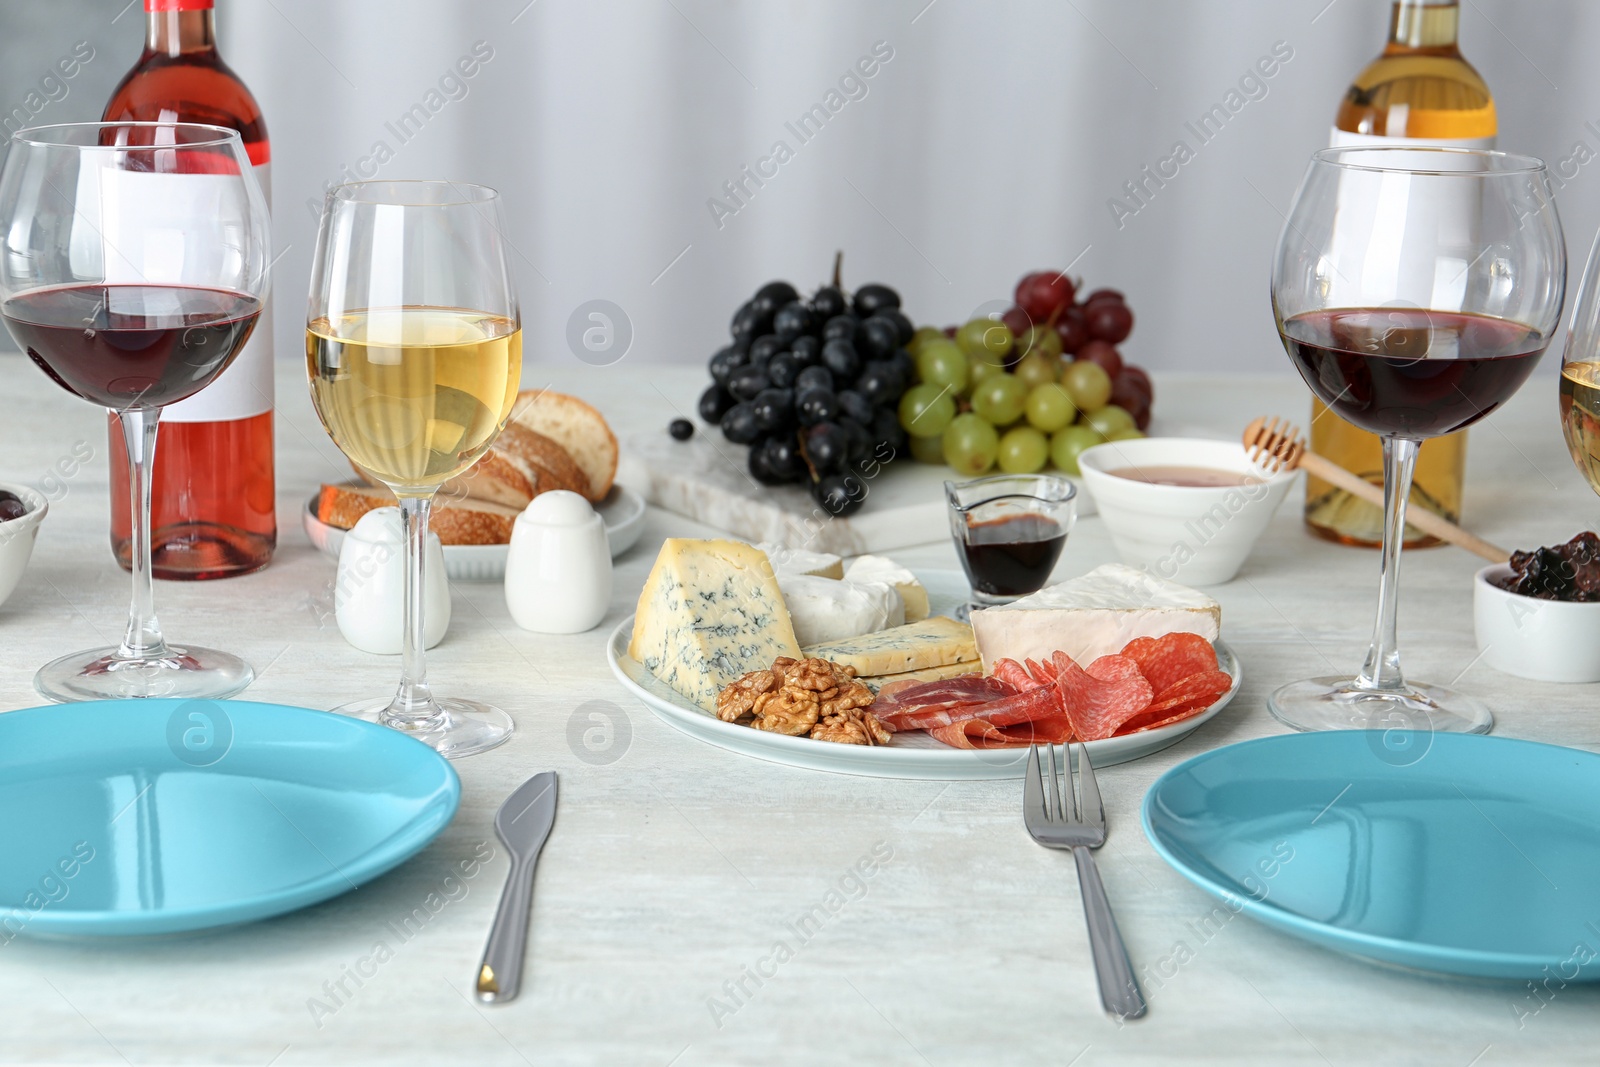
x: 213, y: 494
x: 1420, y: 91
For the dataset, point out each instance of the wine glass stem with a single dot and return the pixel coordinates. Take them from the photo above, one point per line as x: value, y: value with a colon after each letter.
x: 143, y: 638
x: 1382, y: 669
x: 414, y: 702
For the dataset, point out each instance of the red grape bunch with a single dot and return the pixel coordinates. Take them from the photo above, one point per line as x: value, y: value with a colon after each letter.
x: 1038, y: 385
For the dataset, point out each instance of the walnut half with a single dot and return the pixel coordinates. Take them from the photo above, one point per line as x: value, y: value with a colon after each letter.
x: 788, y: 711
x: 852, y: 726
x: 800, y: 698
x: 738, y: 698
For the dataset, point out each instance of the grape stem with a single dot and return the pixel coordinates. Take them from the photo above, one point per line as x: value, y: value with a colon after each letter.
x: 838, y: 270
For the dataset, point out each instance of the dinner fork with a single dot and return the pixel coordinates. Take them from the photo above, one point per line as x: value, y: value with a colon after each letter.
x: 1055, y: 820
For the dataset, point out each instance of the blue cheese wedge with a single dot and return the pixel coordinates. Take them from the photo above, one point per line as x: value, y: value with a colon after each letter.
x: 786, y: 561
x: 880, y: 569
x: 710, y: 612
x: 825, y: 609
x: 915, y: 646
x: 1093, y: 616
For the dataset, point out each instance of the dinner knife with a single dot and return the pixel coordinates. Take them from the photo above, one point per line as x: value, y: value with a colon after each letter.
x: 522, y: 824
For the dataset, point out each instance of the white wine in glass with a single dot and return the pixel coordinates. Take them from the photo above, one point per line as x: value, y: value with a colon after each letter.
x: 414, y: 351
x: 414, y: 395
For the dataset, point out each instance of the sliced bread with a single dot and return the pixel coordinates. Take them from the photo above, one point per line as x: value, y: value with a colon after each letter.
x: 576, y: 427
x: 457, y: 520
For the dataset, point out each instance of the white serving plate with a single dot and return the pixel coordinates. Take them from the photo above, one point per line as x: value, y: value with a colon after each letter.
x: 913, y: 754
x: 623, y: 511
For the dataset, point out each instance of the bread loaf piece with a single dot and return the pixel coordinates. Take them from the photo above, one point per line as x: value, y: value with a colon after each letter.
x: 520, y: 465
x: 551, y: 441
x: 576, y: 427
x: 457, y: 522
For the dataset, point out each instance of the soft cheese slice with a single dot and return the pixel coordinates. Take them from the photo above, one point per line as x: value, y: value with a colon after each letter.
x: 913, y: 647
x: 710, y: 612
x: 787, y: 561
x: 1092, y: 616
x: 881, y: 569
x: 826, y: 609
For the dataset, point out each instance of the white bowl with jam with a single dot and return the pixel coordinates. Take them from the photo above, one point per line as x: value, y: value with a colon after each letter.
x: 18, y: 532
x: 1530, y: 637
x: 1184, y: 508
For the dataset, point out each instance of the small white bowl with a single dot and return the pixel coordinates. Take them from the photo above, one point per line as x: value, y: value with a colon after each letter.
x: 1544, y: 640
x: 1190, y: 534
x: 17, y: 537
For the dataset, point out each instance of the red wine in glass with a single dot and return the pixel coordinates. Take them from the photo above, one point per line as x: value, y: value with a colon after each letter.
x: 1409, y: 372
x: 130, y: 347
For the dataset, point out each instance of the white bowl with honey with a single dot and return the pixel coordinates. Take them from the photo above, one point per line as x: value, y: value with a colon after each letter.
x: 1184, y: 508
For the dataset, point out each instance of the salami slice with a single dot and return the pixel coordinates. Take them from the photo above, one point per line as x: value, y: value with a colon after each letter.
x: 1185, y: 697
x: 1188, y: 712
x: 1045, y: 672
x: 1016, y: 675
x: 1099, y: 700
x: 1169, y: 659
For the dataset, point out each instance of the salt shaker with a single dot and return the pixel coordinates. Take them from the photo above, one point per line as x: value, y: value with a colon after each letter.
x: 558, y: 570
x: 369, y: 593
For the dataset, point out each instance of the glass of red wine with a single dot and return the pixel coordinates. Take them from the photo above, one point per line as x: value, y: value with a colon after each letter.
x: 1414, y: 290
x: 134, y: 264
x: 1010, y: 530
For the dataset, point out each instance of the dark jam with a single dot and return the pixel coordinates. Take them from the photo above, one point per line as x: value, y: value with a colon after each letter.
x: 1569, y: 571
x: 1012, y: 556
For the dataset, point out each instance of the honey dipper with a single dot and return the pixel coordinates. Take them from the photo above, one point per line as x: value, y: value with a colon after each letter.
x: 1276, y: 445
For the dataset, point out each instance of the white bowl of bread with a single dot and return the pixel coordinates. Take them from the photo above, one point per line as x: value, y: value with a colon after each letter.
x: 552, y: 441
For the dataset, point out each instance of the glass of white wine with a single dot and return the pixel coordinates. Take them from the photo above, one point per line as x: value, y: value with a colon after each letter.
x: 1580, y: 375
x: 414, y: 348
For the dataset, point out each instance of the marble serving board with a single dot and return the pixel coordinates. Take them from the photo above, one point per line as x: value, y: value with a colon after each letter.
x: 705, y: 478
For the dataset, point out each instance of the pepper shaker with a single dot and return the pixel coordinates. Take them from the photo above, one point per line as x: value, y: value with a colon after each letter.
x: 558, y: 569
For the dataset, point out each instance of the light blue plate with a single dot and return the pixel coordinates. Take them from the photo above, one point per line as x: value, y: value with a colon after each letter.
x: 126, y: 817
x: 1462, y: 854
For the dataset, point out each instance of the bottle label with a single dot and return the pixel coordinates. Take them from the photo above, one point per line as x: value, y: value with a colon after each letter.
x: 244, y: 390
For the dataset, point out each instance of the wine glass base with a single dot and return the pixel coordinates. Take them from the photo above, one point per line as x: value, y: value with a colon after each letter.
x: 461, y: 727
x: 186, y: 673
x: 1336, y: 703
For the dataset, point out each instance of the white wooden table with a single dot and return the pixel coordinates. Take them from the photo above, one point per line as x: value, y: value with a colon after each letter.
x: 676, y: 869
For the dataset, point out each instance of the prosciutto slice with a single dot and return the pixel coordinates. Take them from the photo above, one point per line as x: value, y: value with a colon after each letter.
x: 1008, y: 710
x: 961, y: 689
x: 982, y: 733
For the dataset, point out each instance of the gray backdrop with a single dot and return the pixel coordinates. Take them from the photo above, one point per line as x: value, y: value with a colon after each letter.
x: 988, y: 143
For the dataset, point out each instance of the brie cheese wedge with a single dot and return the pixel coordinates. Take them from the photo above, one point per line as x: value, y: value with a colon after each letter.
x: 826, y: 609
x: 1092, y: 616
x: 787, y: 560
x: 880, y: 569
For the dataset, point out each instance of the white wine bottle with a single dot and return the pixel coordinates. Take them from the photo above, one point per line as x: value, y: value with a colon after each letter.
x: 1419, y: 91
